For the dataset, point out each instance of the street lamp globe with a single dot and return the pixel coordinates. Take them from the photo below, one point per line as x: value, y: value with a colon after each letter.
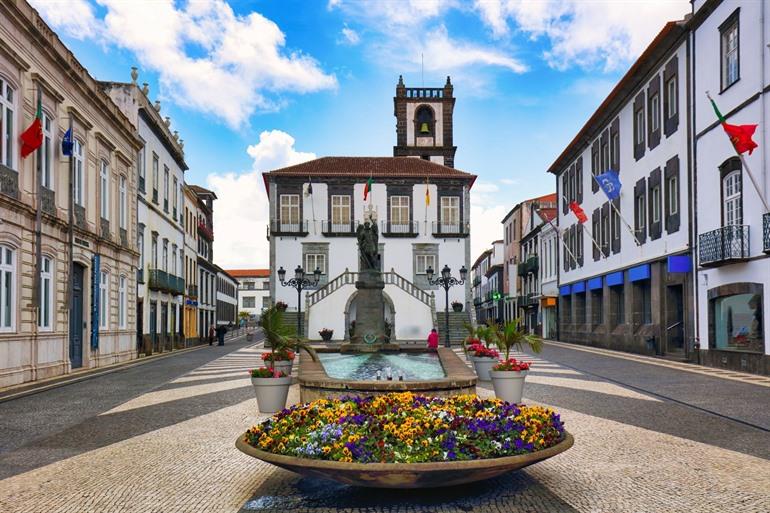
x: 463, y: 273
x: 281, y: 274
x: 446, y: 272
x: 317, y: 274
x: 429, y: 273
x: 299, y: 273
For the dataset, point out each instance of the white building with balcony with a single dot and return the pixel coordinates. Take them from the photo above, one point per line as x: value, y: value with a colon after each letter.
x: 160, y: 169
x: 731, y: 61
x: 253, y: 291
x: 421, y: 210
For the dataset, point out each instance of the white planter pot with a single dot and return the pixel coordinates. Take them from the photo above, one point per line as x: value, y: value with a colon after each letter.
x: 482, y: 366
x: 281, y: 365
x: 509, y: 385
x: 271, y: 393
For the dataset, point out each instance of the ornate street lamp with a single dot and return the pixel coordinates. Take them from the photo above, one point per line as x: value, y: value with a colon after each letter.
x: 300, y: 283
x: 446, y: 281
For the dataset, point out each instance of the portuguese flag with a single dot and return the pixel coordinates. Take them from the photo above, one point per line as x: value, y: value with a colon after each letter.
x: 368, y: 187
x: 740, y: 135
x: 32, y: 137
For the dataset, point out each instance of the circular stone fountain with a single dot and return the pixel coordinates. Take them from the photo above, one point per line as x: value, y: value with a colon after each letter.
x: 438, y: 373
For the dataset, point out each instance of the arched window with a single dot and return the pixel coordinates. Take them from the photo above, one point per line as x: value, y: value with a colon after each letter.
x: 47, y: 292
x: 7, y: 126
x: 104, y: 189
x: 123, y: 203
x: 732, y: 192
x: 424, y: 121
x: 122, y: 302
x: 7, y: 288
x: 104, y: 300
x: 77, y: 165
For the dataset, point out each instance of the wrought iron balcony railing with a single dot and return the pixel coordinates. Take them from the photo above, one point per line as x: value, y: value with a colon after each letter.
x: 141, y: 184
x: 766, y: 233
x: 205, y: 230
x: 279, y: 227
x: 530, y: 265
x: 330, y: 228
x: 165, y: 282
x: 723, y: 245
x: 400, y: 229
x: 448, y: 229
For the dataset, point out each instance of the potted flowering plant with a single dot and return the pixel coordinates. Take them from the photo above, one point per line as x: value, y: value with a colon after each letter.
x: 280, y: 359
x: 283, y: 348
x: 326, y: 334
x: 508, y: 376
x: 271, y: 386
x: 457, y: 306
x: 483, y: 359
x: 281, y: 306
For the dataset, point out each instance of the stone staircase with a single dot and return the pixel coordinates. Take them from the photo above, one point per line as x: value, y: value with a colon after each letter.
x: 457, y: 321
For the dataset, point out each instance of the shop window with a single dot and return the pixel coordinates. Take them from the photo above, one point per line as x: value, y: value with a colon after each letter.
x: 597, y: 307
x: 617, y: 304
x: 738, y: 323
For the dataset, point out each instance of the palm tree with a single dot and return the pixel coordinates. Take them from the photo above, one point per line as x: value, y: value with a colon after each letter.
x: 280, y: 335
x: 514, y: 335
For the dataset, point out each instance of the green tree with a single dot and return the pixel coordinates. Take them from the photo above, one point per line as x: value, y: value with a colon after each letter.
x: 512, y: 335
x: 281, y: 335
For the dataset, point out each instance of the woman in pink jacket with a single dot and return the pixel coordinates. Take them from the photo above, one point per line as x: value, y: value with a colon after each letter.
x: 433, y: 339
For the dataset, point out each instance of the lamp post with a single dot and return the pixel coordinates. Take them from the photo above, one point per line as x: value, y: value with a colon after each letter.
x: 446, y: 280
x: 300, y: 283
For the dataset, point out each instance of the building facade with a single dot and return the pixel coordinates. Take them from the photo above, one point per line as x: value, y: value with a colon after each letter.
x: 190, y: 314
x: 513, y: 228
x: 227, y: 299
x: 626, y: 274
x: 253, y: 291
x: 315, y: 211
x: 207, y: 271
x: 160, y: 167
x: 531, y: 302
x: 548, y: 268
x: 66, y: 294
x: 487, y: 276
x: 731, y: 224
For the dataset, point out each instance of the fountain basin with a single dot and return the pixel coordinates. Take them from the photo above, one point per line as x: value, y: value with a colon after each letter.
x: 405, y: 475
x: 316, y: 383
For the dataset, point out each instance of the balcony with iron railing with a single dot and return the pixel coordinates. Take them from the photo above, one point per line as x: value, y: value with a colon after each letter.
x: 192, y: 290
x: 165, y: 282
x: 141, y: 184
x: 723, y: 246
x: 766, y: 233
x: 449, y: 229
x: 332, y: 229
x: 205, y: 230
x: 530, y: 265
x: 400, y: 229
x: 296, y: 228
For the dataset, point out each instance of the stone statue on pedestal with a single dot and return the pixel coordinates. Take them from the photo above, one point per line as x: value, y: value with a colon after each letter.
x: 368, y: 246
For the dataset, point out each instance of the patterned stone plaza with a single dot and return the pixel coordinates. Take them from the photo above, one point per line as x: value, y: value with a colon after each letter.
x: 159, y: 437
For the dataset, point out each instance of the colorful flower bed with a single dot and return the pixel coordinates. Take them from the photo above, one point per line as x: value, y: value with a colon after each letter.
x: 407, y: 428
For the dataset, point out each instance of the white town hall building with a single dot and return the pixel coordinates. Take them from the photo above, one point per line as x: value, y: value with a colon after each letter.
x: 421, y: 208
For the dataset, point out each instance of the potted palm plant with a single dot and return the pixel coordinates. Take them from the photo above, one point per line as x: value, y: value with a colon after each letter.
x: 326, y: 334
x: 457, y: 306
x: 508, y: 376
x: 271, y: 391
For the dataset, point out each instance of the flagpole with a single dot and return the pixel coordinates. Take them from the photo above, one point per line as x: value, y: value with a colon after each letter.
x: 589, y: 233
x: 559, y: 234
x: 612, y: 204
x: 740, y: 156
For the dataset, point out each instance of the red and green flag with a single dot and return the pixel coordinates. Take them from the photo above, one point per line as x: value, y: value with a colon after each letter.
x: 740, y: 135
x: 32, y: 137
x: 368, y: 187
x: 578, y: 211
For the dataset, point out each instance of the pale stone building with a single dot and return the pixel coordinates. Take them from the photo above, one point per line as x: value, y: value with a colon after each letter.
x: 190, y: 316
x: 253, y: 290
x: 77, y: 314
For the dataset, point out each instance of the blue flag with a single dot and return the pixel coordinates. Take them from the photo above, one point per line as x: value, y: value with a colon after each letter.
x: 610, y: 183
x: 66, y: 143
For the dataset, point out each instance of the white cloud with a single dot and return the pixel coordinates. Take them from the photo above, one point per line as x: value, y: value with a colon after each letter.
x: 207, y: 57
x: 486, y: 226
x: 350, y: 36
x: 241, y: 212
x: 584, y: 33
x: 73, y: 17
x: 444, y: 54
x: 509, y: 181
x: 391, y: 14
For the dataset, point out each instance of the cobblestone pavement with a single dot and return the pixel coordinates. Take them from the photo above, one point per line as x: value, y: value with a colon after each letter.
x: 170, y: 448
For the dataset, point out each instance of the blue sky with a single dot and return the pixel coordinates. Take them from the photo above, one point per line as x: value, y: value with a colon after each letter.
x: 253, y: 85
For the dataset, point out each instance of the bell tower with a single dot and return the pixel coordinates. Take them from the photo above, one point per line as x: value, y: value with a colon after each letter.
x: 424, y: 122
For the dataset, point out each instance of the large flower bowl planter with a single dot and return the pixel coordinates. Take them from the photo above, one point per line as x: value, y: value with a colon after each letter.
x: 281, y: 365
x: 405, y: 475
x: 482, y: 365
x: 508, y: 385
x: 271, y: 393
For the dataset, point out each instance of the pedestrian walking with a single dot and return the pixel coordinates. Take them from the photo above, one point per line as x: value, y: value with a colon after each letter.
x: 433, y: 339
x: 212, y: 332
x: 221, y: 330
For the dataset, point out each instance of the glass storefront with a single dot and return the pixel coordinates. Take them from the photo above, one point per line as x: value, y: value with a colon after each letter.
x: 738, y: 322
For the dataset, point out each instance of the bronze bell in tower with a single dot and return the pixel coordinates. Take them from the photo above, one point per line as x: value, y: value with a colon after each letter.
x: 424, y: 128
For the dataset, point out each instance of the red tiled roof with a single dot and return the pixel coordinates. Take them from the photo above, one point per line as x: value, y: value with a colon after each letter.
x: 547, y: 214
x: 376, y: 167
x: 202, y: 190
x: 249, y: 273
